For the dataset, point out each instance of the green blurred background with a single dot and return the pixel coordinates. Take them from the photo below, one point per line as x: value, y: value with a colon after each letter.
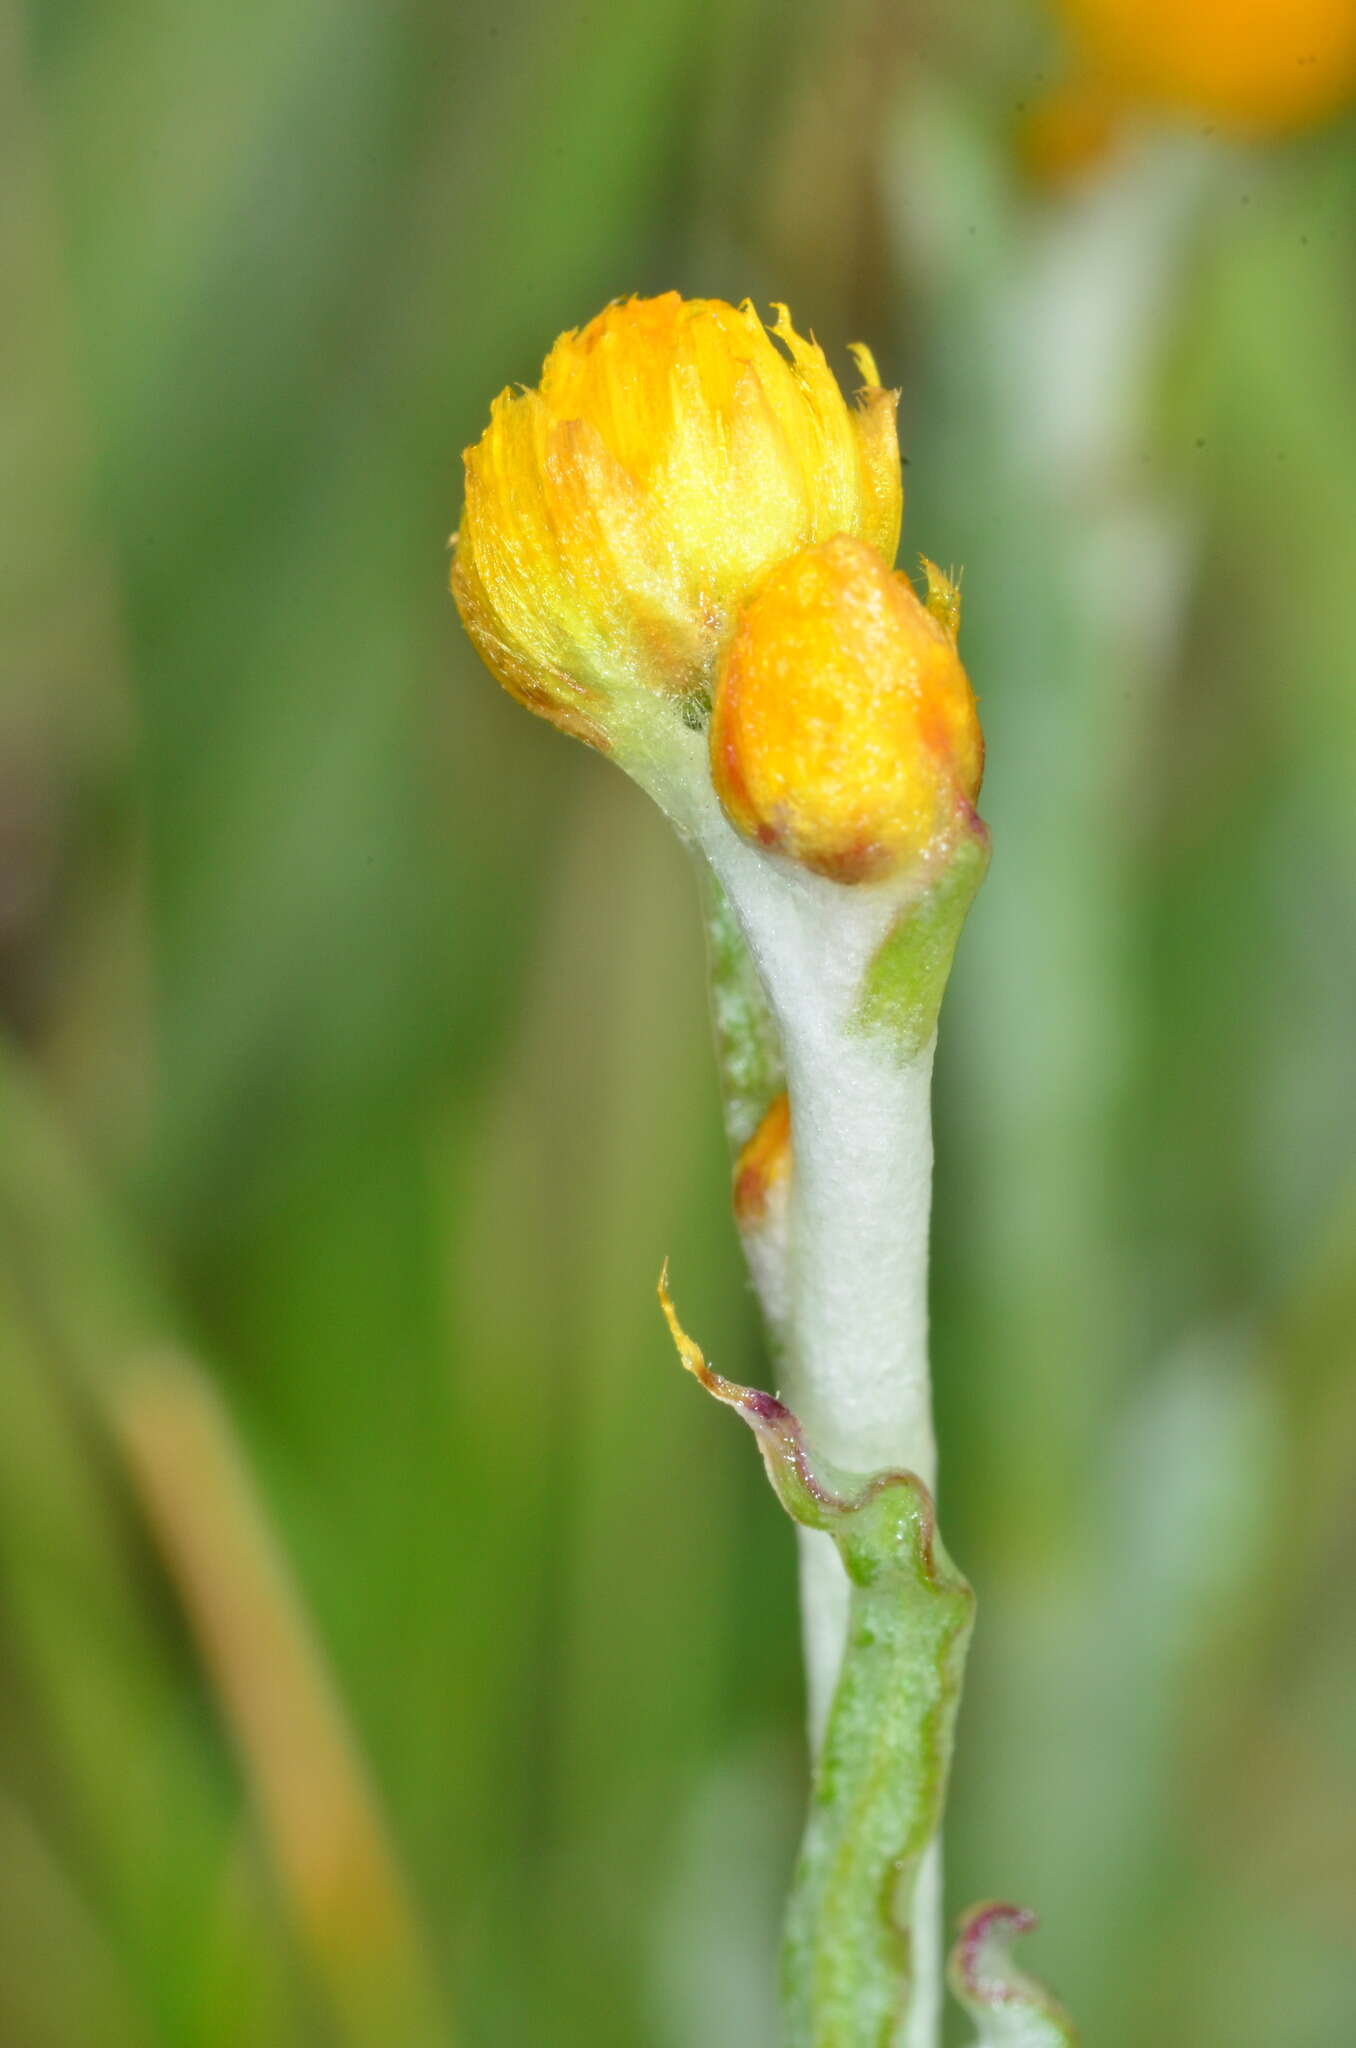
x: 394, y: 1650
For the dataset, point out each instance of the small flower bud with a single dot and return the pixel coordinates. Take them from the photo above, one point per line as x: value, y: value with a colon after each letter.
x: 844, y: 732
x: 762, y: 1204
x: 763, y: 1167
x: 618, y: 515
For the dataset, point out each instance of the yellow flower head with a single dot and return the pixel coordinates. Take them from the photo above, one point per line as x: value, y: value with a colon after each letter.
x: 617, y: 516
x: 1257, y: 66
x: 844, y: 731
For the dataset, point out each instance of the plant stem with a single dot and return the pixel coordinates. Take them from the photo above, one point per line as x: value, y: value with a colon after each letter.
x: 858, y: 1364
x: 856, y: 1334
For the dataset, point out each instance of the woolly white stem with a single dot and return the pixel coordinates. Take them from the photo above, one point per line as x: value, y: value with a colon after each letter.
x: 858, y: 1362
x: 860, y: 1201
x: 857, y: 1327
x: 856, y: 1321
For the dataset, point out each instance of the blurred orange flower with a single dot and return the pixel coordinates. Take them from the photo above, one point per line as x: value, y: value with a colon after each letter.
x: 1256, y: 67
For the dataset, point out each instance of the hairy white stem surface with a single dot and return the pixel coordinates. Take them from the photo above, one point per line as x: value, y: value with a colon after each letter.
x: 857, y: 1358
x: 858, y: 1312
x: 860, y: 1202
x: 854, y: 1295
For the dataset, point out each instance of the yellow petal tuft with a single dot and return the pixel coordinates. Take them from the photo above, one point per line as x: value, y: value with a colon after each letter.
x: 618, y: 516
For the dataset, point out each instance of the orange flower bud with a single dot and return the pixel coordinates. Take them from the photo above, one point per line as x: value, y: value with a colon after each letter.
x: 617, y: 516
x: 763, y: 1167
x: 845, y: 732
x: 1257, y: 66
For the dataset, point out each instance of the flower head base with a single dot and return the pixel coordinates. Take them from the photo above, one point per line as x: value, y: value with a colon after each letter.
x: 618, y: 515
x: 1260, y: 67
x: 844, y: 732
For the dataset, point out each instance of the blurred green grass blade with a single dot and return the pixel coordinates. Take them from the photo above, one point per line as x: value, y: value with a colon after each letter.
x: 335, y: 1865
x: 583, y: 1179
x: 61, y: 1985
x: 284, y: 361
x: 116, y: 1753
x: 72, y: 939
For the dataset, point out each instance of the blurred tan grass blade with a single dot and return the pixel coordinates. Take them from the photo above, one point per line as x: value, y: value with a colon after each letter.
x: 317, y: 1808
x: 337, y: 1869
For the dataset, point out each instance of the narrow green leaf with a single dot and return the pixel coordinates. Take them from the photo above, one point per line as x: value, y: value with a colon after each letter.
x: 907, y: 979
